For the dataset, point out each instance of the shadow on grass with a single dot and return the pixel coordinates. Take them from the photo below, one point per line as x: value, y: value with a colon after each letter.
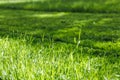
x: 67, y: 6
x: 62, y: 27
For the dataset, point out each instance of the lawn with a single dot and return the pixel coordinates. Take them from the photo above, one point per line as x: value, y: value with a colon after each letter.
x: 66, y: 40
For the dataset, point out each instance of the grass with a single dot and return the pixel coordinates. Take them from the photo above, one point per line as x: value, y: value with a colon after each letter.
x: 60, y: 61
x: 44, y: 44
x: 66, y: 5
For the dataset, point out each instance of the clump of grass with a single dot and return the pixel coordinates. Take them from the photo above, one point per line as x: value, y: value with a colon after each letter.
x: 21, y: 60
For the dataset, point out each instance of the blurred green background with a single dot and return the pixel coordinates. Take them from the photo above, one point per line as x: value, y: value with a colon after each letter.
x: 64, y: 5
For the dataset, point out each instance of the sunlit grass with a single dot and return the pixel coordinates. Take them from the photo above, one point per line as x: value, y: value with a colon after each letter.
x: 20, y: 60
x: 17, y: 1
x: 49, y: 15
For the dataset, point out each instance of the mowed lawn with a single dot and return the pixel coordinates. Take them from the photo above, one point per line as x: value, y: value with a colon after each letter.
x: 59, y: 44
